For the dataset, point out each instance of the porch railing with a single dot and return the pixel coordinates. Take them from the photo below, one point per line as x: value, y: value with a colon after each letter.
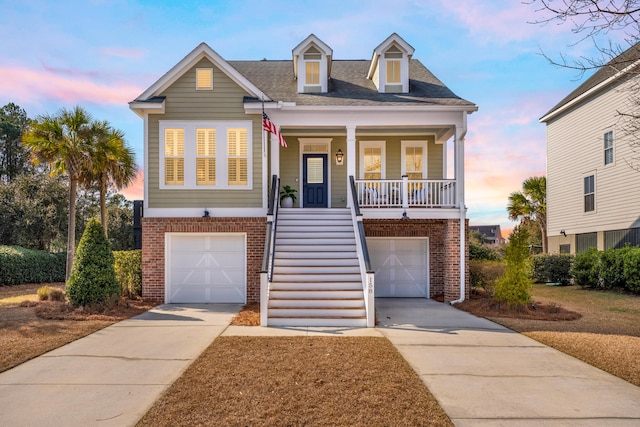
x: 406, y: 193
x: 266, y: 274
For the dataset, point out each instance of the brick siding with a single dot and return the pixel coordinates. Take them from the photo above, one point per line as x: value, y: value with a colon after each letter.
x: 153, y: 248
x: 444, y: 249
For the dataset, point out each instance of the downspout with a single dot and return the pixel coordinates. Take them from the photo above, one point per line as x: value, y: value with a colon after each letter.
x: 461, y: 202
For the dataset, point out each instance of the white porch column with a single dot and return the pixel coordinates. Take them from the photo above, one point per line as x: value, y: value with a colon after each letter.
x: 275, y: 154
x: 460, y: 133
x: 351, y: 156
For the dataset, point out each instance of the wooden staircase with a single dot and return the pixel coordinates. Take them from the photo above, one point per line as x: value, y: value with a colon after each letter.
x: 316, y: 274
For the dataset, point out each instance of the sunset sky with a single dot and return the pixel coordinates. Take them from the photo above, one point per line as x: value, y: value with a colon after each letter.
x: 101, y: 54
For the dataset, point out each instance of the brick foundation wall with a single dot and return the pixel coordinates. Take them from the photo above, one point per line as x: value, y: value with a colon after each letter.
x: 153, y: 248
x: 444, y: 249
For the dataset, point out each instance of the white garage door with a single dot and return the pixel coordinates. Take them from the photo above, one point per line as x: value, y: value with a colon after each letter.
x: 206, y: 268
x: 401, y: 266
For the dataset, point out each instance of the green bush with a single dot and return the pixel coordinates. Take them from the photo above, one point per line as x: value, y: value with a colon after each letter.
x: 631, y: 261
x: 552, y: 268
x: 586, y: 269
x: 128, y: 265
x: 47, y: 293
x: 481, y: 252
x: 611, y: 268
x: 484, y: 273
x: 19, y: 265
x: 93, y: 277
x: 514, y: 287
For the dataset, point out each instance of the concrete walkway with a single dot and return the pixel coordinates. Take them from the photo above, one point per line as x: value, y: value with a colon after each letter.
x: 113, y: 376
x: 483, y: 374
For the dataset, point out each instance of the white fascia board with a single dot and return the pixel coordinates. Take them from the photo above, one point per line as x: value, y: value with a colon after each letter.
x: 416, y: 213
x: 199, y: 212
x: 142, y: 108
x: 254, y: 107
x: 201, y: 51
x: 588, y: 93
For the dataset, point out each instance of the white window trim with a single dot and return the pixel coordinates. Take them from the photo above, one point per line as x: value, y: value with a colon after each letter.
x: 613, y: 149
x: 595, y: 202
x: 425, y: 155
x: 197, y: 80
x: 189, y: 126
x: 383, y: 160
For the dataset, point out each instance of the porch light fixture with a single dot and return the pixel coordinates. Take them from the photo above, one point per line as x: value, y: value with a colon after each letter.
x: 339, y: 157
x: 404, y: 215
x: 206, y: 213
x: 564, y: 233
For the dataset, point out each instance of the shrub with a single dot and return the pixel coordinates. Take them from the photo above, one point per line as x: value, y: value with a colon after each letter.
x: 631, y: 262
x: 586, y: 269
x: 19, y: 265
x: 93, y: 278
x: 611, y: 268
x: 514, y: 287
x: 47, y: 293
x: 481, y: 252
x: 484, y: 273
x: 552, y: 268
x: 128, y: 265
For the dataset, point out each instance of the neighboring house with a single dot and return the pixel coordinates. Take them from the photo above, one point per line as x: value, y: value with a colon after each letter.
x: 491, y: 234
x: 591, y: 197
x: 211, y: 173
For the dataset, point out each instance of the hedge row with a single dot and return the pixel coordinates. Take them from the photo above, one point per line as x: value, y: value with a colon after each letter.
x: 19, y: 265
x: 610, y: 269
x: 552, y: 269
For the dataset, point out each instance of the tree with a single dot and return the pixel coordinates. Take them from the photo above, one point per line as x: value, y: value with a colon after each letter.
x: 514, y: 288
x: 64, y: 141
x: 93, y: 278
x: 112, y: 164
x: 14, y: 157
x: 531, y: 205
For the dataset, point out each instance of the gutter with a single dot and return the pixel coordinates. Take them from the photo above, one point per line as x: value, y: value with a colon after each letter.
x: 463, y: 133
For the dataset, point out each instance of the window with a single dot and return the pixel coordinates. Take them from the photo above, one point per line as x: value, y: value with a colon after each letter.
x: 608, y: 148
x: 565, y: 249
x: 372, y: 160
x: 312, y: 72
x: 414, y: 163
x: 204, y: 78
x: 589, y: 193
x: 237, y: 156
x: 393, y: 71
x: 205, y: 156
x: 174, y: 156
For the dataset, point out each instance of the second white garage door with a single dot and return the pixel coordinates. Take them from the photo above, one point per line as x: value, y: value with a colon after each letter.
x: 401, y: 266
x: 206, y: 268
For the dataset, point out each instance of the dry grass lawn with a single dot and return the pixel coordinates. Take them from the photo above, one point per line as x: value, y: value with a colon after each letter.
x: 606, y: 334
x: 28, y: 328
x: 298, y: 381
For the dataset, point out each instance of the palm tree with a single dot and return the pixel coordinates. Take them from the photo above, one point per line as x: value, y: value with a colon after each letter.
x: 112, y: 164
x: 64, y: 141
x: 531, y: 205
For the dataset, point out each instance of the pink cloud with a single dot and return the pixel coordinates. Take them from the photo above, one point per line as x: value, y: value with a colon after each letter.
x: 135, y: 191
x: 26, y: 85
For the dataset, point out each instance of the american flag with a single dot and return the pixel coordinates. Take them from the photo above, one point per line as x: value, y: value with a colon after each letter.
x: 268, y: 125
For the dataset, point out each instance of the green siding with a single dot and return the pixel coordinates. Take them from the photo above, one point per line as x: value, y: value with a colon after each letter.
x: 338, y: 173
x: 184, y: 102
x: 290, y: 166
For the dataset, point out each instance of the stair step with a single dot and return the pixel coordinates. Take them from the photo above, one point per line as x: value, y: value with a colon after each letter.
x: 316, y: 303
x: 314, y: 228
x: 316, y: 270
x: 316, y: 248
x: 304, y: 234
x: 349, y: 240
x: 318, y: 321
x: 317, y: 312
x: 312, y: 261
x: 309, y: 255
x: 297, y: 285
x: 319, y: 278
x: 309, y: 222
x: 316, y: 294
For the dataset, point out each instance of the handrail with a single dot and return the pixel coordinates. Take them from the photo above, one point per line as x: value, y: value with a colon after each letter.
x: 266, y: 275
x: 363, y: 241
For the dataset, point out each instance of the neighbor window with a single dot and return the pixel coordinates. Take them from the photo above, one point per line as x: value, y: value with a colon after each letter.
x: 204, y: 78
x: 174, y: 156
x: 205, y: 156
x: 608, y: 148
x: 237, y: 156
x: 589, y: 193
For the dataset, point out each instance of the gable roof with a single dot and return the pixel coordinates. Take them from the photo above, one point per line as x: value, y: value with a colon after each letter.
x: 348, y: 86
x: 607, y: 74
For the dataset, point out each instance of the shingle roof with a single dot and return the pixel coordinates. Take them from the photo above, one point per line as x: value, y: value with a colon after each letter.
x: 348, y: 85
x: 617, y: 64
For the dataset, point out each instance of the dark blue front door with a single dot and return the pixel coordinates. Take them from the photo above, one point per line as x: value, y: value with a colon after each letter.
x: 314, y: 180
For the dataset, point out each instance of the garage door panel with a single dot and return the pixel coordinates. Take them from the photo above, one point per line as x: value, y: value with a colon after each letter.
x: 401, y: 267
x: 206, y: 268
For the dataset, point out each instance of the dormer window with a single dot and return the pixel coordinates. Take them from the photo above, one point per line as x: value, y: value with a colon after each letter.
x: 389, y: 69
x: 312, y: 65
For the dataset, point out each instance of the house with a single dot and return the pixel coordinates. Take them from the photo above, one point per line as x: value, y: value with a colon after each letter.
x: 591, y: 201
x: 491, y: 234
x: 377, y: 214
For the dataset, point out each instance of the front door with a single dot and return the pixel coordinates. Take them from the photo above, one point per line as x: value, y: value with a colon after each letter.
x: 314, y: 181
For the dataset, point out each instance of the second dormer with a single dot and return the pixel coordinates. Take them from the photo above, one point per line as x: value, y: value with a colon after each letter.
x: 312, y: 65
x: 389, y: 69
